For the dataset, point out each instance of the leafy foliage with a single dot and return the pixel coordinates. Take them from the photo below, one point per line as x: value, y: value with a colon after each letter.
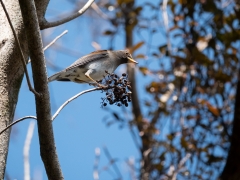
x: 192, y: 72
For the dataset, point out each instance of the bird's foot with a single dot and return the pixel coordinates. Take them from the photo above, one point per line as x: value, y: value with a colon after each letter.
x: 101, y: 86
x: 96, y: 84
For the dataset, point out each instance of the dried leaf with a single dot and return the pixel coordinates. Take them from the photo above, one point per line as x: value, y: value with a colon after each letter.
x: 184, y: 143
x: 174, y: 27
x: 140, y: 56
x: 108, y: 32
x: 213, y: 109
x: 144, y: 70
x: 135, y: 47
x: 163, y: 48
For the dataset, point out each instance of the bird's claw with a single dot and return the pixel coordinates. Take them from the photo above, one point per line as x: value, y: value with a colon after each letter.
x: 98, y: 85
x: 101, y: 86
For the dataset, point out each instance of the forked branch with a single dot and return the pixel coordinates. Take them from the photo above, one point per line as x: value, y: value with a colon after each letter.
x: 47, y: 24
x: 20, y: 49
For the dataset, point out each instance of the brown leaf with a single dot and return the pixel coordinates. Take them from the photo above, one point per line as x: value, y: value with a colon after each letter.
x: 170, y: 137
x: 140, y: 56
x: 135, y: 47
x: 174, y: 27
x: 163, y: 48
x: 184, y: 143
x: 108, y: 32
x: 213, y: 109
x: 123, y: 1
x: 144, y: 70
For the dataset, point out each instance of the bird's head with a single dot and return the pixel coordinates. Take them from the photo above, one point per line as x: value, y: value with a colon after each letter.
x: 125, y: 57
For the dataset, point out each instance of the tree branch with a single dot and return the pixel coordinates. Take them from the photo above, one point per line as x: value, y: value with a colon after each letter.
x: 47, y: 24
x: 52, y: 42
x: 17, y: 121
x: 26, y: 149
x: 232, y: 166
x: 136, y: 108
x: 100, y: 12
x: 20, y: 49
x: 45, y: 129
x: 96, y: 164
x: 72, y: 98
x: 112, y: 161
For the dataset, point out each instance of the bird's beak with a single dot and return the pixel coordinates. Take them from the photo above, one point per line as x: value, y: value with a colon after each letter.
x: 132, y: 60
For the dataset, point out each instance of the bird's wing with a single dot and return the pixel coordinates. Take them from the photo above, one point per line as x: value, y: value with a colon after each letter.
x: 96, y: 55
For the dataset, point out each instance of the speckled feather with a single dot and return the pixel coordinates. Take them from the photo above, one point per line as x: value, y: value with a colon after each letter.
x: 96, y: 55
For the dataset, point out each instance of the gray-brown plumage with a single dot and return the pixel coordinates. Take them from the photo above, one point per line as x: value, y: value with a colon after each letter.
x: 92, y: 67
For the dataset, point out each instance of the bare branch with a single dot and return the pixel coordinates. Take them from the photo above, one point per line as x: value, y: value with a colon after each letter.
x: 17, y: 121
x: 53, y: 41
x: 96, y: 163
x: 26, y: 149
x: 166, y: 22
x: 111, y: 160
x: 20, y: 49
x: 47, y: 24
x: 130, y: 162
x: 134, y: 138
x: 99, y: 11
x: 72, y: 98
x: 173, y: 172
x: 45, y: 130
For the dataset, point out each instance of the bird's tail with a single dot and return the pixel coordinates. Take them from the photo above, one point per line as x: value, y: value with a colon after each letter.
x: 54, y: 77
x: 58, y: 77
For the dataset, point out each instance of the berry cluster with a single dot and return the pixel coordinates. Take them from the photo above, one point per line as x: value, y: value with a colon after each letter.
x: 117, y: 91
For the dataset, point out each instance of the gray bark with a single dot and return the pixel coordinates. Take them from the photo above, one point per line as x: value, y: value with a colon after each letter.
x: 44, y: 119
x: 11, y: 72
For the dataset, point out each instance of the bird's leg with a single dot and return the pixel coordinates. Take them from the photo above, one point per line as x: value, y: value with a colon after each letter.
x: 87, y: 74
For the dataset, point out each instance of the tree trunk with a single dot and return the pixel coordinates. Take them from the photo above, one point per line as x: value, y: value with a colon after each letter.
x: 11, y: 72
x: 130, y: 22
x: 232, y: 168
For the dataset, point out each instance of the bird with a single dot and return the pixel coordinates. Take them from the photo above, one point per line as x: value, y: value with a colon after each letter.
x: 93, y: 67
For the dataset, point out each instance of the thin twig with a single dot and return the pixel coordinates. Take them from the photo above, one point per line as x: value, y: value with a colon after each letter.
x: 46, y: 24
x: 26, y: 149
x: 52, y: 42
x: 100, y: 12
x: 17, y: 121
x: 166, y: 22
x: 112, y: 161
x: 96, y: 163
x: 72, y: 98
x: 173, y: 173
x: 130, y: 162
x: 19, y: 47
x: 134, y: 137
